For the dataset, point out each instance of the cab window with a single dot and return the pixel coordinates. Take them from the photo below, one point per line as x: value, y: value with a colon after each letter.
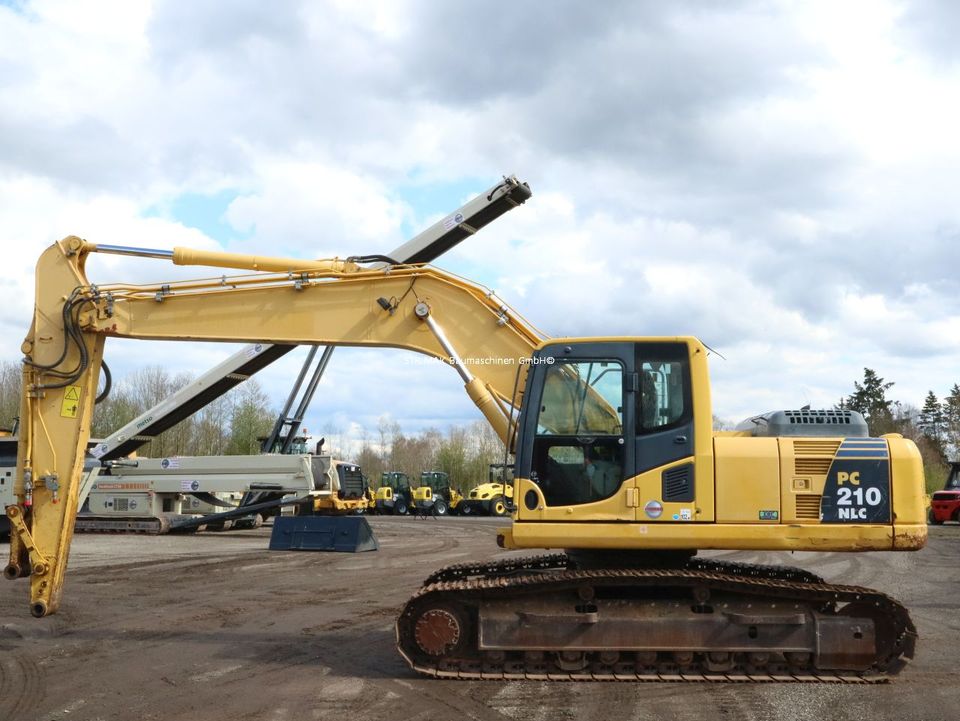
x: 582, y: 398
x: 578, y: 450
x: 664, y: 393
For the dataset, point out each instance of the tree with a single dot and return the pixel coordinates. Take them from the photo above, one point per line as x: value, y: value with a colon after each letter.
x: 722, y: 424
x: 870, y: 399
x: 951, y: 422
x: 487, y: 449
x: 10, y: 380
x: 250, y: 419
x: 211, y: 432
x: 931, y: 421
x: 332, y: 434
x: 371, y: 462
x: 135, y: 394
x: 414, y: 454
x: 452, y: 455
x: 115, y: 411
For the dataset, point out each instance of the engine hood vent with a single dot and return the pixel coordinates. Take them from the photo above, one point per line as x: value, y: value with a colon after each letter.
x: 806, y: 422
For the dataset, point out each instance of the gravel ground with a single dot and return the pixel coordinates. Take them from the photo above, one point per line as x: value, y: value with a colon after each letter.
x: 213, y: 627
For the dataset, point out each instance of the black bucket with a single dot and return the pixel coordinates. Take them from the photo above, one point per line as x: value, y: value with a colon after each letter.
x: 344, y: 534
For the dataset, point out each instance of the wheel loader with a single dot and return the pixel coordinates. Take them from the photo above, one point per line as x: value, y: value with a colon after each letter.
x: 435, y: 494
x: 393, y: 495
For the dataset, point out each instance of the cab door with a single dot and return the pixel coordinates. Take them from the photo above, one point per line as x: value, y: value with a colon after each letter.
x: 664, y: 433
x: 577, y: 449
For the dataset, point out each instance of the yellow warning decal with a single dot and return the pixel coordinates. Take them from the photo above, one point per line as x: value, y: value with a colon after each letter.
x: 71, y: 402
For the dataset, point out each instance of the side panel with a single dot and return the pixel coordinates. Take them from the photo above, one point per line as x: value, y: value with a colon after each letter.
x: 658, y: 504
x: 804, y: 464
x: 748, y: 480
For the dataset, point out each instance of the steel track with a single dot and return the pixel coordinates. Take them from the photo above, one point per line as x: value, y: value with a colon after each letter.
x: 469, y: 583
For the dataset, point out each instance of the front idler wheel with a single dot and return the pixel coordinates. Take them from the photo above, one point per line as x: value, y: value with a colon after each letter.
x: 441, y: 631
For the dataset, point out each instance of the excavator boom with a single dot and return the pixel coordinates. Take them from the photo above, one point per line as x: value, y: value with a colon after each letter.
x: 295, y: 302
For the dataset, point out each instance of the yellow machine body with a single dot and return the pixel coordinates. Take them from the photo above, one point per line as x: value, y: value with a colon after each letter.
x: 421, y: 494
x: 745, y: 493
x: 620, y: 403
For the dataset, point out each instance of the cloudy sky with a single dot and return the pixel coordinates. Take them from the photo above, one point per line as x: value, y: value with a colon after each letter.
x: 777, y: 178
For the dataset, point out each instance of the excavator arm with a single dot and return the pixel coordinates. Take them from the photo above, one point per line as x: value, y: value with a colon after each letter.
x: 284, y: 301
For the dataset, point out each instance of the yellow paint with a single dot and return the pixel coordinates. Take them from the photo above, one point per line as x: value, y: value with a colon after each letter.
x: 748, y: 479
x: 804, y: 463
x: 908, y: 499
x: 727, y: 536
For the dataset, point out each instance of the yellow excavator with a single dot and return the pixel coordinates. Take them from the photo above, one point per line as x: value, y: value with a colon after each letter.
x: 616, y: 465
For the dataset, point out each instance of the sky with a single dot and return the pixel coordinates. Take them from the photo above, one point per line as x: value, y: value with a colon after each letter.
x: 776, y: 178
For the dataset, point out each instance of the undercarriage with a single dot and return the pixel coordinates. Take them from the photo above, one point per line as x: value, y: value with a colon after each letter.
x: 558, y: 617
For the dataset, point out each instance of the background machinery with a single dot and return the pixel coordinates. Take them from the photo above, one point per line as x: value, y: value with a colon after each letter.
x: 393, y: 495
x: 8, y: 468
x: 615, y: 461
x: 148, y: 494
x: 436, y: 495
x: 494, y: 497
x: 945, y: 504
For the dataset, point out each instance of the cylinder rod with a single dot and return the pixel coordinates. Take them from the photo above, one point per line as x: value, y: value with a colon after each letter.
x: 448, y: 348
x: 129, y: 250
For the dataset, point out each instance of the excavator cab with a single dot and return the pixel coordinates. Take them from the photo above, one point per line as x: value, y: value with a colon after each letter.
x: 600, y: 414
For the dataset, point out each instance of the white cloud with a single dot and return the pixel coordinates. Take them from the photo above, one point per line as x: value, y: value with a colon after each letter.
x: 778, y: 179
x: 313, y: 209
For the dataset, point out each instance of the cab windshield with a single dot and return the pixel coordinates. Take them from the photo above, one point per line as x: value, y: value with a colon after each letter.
x: 582, y: 398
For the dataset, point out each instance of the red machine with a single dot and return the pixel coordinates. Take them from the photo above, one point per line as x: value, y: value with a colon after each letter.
x: 945, y: 505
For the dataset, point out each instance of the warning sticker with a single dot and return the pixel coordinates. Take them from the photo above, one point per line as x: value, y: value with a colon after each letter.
x: 71, y: 402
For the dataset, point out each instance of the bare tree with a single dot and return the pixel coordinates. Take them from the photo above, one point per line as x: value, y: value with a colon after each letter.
x: 250, y: 419
x: 10, y: 381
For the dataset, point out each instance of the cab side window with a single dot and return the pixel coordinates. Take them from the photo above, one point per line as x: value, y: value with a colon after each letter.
x: 664, y: 398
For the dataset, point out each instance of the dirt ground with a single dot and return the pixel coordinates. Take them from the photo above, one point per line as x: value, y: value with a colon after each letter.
x: 214, y: 626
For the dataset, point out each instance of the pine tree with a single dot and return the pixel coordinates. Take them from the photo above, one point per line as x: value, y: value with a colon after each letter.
x: 931, y: 421
x: 951, y: 422
x: 870, y: 399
